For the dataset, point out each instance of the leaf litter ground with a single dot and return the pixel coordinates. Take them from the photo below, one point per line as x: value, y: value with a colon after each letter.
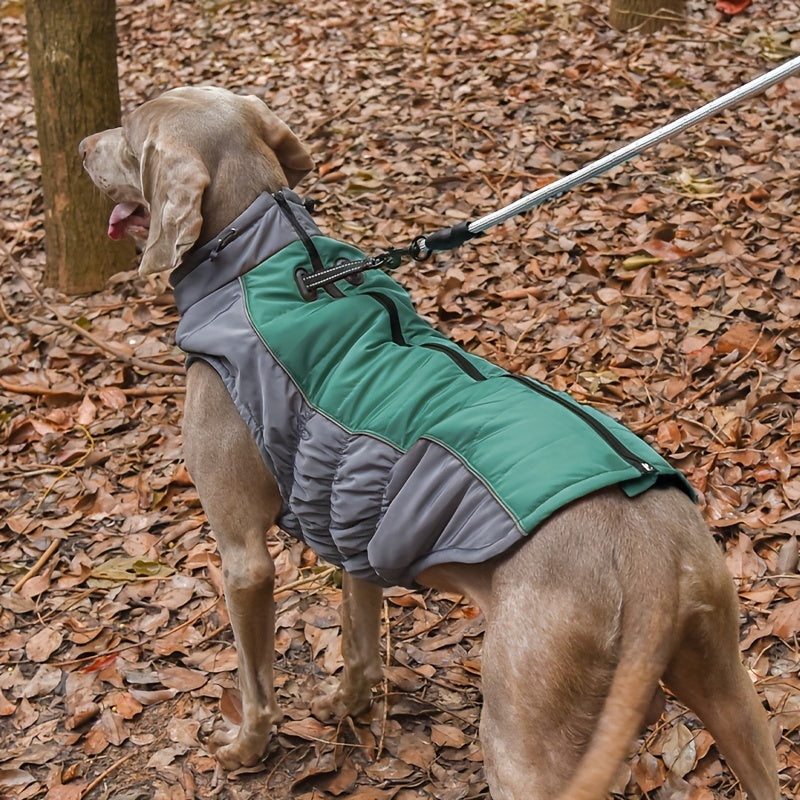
x: 666, y: 293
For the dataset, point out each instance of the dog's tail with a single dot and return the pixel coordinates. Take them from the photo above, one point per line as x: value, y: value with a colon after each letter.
x: 646, y: 641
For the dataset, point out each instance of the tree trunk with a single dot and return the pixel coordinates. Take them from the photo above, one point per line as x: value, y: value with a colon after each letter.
x: 645, y: 15
x: 73, y: 63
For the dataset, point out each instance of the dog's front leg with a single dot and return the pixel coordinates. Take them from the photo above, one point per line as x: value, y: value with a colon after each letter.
x: 361, y: 613
x: 241, y: 501
x: 249, y: 575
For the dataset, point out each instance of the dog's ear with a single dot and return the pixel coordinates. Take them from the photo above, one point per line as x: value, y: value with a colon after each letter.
x: 174, y: 178
x: 291, y: 154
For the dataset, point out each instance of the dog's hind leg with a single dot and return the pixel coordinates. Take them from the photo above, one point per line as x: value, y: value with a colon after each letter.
x: 241, y: 501
x: 361, y: 607
x: 549, y: 658
x: 546, y: 672
x: 706, y: 673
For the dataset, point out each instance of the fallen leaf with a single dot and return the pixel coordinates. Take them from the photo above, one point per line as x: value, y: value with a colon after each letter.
x: 639, y: 261
x: 732, y: 6
x: 7, y: 708
x: 67, y: 791
x: 10, y: 778
x: 679, y: 751
x: 43, y: 644
x: 648, y: 772
x: 182, y: 679
x: 129, y: 568
x: 448, y: 736
x: 785, y: 619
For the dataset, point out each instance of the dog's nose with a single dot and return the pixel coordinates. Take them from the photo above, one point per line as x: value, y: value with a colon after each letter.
x: 83, y: 148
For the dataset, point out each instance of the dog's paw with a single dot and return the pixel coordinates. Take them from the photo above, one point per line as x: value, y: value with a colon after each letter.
x: 336, y: 701
x: 237, y: 748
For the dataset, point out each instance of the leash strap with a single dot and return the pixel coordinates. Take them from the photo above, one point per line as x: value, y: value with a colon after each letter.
x: 449, y: 238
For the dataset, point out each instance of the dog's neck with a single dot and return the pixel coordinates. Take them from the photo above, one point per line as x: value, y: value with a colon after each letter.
x: 237, y: 184
x: 223, y: 205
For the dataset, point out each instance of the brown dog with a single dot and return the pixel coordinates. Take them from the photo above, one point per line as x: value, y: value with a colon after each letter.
x: 610, y: 595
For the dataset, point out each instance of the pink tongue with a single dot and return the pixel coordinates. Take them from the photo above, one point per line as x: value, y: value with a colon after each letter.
x: 119, y: 215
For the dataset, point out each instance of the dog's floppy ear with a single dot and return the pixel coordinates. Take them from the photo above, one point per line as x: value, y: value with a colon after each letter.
x: 174, y: 178
x: 292, y: 156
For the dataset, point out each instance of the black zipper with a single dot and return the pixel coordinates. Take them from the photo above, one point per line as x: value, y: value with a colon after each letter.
x: 395, y: 327
x: 396, y: 330
x: 459, y: 358
x: 615, y: 444
x: 469, y: 368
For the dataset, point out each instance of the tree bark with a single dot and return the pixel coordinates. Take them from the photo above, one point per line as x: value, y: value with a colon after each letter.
x: 73, y: 64
x: 645, y: 15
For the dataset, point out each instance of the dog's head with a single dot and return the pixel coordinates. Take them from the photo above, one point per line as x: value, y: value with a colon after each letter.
x: 185, y: 164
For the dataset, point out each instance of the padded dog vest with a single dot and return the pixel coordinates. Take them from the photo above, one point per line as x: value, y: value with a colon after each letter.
x: 393, y: 449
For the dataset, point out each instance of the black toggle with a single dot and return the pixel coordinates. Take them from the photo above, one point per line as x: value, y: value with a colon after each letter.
x: 308, y: 294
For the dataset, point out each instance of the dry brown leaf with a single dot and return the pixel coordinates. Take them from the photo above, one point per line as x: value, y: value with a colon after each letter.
x: 43, y: 644
x: 14, y: 778
x: 230, y: 706
x: 308, y: 728
x: 7, y: 708
x: 678, y: 750
x: 182, y: 679
x: 448, y: 736
x: 785, y: 619
x: 414, y: 750
x: 67, y: 791
x: 648, y: 772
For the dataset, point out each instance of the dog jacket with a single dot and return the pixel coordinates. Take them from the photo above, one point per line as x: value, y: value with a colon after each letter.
x: 393, y: 449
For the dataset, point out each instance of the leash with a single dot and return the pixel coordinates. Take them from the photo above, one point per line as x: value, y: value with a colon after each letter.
x: 423, y: 246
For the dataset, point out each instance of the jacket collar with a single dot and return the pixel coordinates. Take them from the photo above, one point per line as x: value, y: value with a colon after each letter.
x: 256, y: 234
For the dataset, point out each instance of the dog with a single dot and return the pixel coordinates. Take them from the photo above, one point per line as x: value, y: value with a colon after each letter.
x: 603, y: 597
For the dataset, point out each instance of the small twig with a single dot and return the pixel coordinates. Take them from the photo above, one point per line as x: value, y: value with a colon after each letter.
x: 438, y: 706
x: 54, y: 612
x: 35, y: 389
x: 71, y: 468
x: 512, y: 350
x: 437, y: 622
x: 105, y: 773
x: 494, y: 189
x: 385, y: 683
x: 134, y: 361
x: 29, y: 473
x: 153, y: 391
x: 340, y: 113
x: 12, y: 320
x: 36, y: 568
x: 710, y: 431
x: 317, y: 576
x: 477, y: 128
